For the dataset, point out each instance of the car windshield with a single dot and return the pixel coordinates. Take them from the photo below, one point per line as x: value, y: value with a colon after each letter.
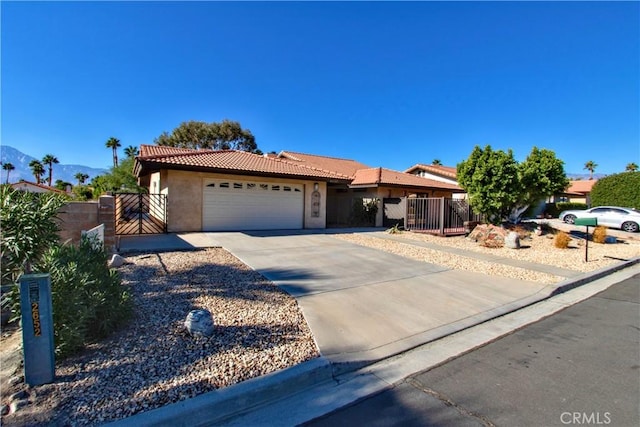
x: 636, y: 211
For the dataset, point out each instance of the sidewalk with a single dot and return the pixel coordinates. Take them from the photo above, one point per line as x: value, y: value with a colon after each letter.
x: 363, y: 306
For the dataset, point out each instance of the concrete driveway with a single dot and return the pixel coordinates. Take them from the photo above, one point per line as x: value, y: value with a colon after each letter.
x: 363, y: 304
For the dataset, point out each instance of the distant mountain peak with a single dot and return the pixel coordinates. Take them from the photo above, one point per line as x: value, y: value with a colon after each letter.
x: 22, y: 170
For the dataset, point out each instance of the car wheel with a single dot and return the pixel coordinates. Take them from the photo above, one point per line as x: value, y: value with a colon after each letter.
x: 629, y: 226
x: 569, y: 219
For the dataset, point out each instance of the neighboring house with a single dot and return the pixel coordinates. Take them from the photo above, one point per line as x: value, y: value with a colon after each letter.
x: 33, y: 187
x: 441, y: 173
x: 215, y: 190
x: 578, y: 192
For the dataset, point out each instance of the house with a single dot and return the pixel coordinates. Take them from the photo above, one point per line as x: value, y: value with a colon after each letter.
x: 33, y: 187
x: 215, y: 190
x: 441, y: 173
x: 579, y: 191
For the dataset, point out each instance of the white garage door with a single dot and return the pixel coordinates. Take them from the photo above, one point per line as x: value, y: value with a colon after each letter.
x: 251, y: 205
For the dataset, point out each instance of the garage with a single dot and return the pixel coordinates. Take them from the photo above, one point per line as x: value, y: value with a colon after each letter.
x: 251, y: 205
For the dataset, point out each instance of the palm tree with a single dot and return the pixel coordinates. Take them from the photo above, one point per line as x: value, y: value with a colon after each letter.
x: 50, y: 160
x: 81, y: 177
x: 631, y: 167
x: 37, y: 169
x: 131, y: 151
x: 8, y: 167
x: 114, y: 144
x: 436, y: 162
x: 591, y: 167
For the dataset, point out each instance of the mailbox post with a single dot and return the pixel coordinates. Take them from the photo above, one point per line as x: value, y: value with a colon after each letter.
x: 586, y: 222
x: 37, y: 328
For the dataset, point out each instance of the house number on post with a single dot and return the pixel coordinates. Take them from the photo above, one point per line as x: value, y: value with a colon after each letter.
x: 37, y: 328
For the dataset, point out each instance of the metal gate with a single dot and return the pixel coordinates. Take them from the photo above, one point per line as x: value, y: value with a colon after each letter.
x: 439, y: 215
x: 138, y: 213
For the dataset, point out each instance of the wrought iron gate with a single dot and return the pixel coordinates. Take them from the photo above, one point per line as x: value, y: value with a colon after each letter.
x: 138, y: 213
x: 439, y: 215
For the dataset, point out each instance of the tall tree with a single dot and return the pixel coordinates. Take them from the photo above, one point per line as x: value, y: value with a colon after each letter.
x: 436, y: 162
x: 501, y: 188
x: 591, y: 167
x: 114, y: 144
x: 8, y: 167
x: 50, y: 160
x: 631, y: 167
x: 37, y: 169
x: 81, y: 177
x: 131, y: 151
x: 226, y: 135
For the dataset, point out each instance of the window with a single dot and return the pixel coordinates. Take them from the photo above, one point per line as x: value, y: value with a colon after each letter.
x: 275, y: 188
x: 297, y: 190
x: 224, y: 185
x: 286, y: 188
x: 211, y: 185
x: 237, y: 185
x: 264, y: 187
x: 251, y: 186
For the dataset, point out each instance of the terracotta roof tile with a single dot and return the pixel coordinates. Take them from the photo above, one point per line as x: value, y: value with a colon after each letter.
x: 446, y: 171
x: 156, y: 150
x: 581, y: 186
x: 226, y: 161
x: 382, y: 176
x: 342, y: 166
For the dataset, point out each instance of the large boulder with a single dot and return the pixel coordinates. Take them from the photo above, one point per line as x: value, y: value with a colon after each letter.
x: 491, y: 236
x: 199, y: 323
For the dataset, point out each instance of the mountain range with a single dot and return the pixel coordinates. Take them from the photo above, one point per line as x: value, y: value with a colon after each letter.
x: 22, y: 170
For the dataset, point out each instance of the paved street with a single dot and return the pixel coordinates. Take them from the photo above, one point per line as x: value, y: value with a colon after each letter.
x: 578, y: 367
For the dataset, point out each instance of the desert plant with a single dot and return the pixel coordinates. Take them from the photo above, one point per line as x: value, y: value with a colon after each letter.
x: 561, y: 240
x: 599, y: 234
x: 394, y: 230
x: 89, y: 301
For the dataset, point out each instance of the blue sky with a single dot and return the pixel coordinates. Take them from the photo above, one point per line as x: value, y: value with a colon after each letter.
x: 387, y: 83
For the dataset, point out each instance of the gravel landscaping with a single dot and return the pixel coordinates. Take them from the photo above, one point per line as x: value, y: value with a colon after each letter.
x: 259, y: 328
x: 154, y: 361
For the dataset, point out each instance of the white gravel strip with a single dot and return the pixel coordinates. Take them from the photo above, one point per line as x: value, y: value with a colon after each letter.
x: 537, y: 249
x: 154, y: 362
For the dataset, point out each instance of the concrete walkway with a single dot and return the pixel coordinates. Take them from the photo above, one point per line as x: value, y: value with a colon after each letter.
x: 362, y: 304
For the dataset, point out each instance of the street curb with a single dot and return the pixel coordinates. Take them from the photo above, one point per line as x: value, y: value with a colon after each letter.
x: 218, y: 405
x: 591, y: 276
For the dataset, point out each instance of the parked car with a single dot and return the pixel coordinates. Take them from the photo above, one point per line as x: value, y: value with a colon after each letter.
x: 627, y: 219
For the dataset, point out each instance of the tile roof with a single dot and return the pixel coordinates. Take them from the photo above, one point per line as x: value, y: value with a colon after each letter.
x: 581, y: 186
x: 287, y: 163
x: 382, y: 176
x: 153, y: 158
x: 342, y: 166
x: 21, y: 185
x: 446, y: 171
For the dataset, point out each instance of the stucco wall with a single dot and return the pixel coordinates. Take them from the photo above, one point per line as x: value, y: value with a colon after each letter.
x: 76, y: 217
x: 185, y: 194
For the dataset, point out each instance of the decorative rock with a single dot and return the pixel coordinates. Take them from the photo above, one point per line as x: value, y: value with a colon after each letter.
x: 610, y: 239
x: 116, y: 261
x: 199, y: 322
x: 4, y: 410
x: 488, y: 235
x: 19, y: 395
x: 16, y: 380
x: 16, y: 405
x: 512, y: 241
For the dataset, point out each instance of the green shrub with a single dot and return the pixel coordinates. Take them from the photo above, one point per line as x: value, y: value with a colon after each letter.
x: 89, y: 301
x: 622, y: 189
